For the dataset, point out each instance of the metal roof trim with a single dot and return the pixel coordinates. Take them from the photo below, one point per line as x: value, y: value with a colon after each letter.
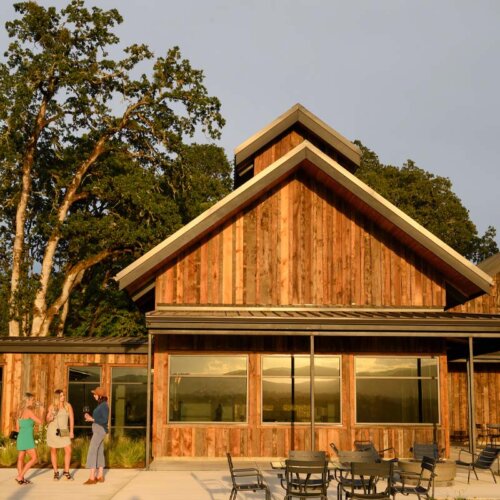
x: 297, y: 114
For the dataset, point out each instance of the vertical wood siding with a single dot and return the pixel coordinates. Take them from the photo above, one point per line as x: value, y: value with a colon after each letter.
x: 272, y: 440
x: 487, y: 303
x: 487, y: 393
x: 42, y: 374
x: 300, y: 244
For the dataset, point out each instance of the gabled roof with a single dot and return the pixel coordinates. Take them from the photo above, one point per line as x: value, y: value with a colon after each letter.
x: 491, y: 265
x: 463, y: 275
x: 298, y: 114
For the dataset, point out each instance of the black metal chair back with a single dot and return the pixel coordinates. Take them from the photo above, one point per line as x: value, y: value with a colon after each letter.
x: 370, y: 446
x: 307, y: 455
x: 306, y: 479
x: 368, y: 474
x: 425, y: 482
x: 486, y: 457
x: 421, y: 450
x: 365, y: 456
x: 246, y: 479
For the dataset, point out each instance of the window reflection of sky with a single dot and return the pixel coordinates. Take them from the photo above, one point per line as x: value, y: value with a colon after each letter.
x: 208, y: 365
x: 395, y: 367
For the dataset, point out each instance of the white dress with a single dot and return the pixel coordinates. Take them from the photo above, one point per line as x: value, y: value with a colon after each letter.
x: 61, y: 421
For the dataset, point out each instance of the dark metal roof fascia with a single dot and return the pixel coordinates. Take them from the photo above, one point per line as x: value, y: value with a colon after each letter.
x: 70, y: 346
x: 324, y: 327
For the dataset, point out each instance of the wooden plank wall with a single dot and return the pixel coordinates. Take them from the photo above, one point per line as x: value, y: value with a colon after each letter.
x: 268, y: 440
x: 300, y: 244
x: 487, y: 392
x: 41, y: 374
x: 487, y: 303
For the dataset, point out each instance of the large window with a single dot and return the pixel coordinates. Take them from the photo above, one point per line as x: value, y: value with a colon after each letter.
x: 82, y: 379
x: 286, y: 388
x: 208, y: 389
x: 397, y: 390
x: 129, y: 401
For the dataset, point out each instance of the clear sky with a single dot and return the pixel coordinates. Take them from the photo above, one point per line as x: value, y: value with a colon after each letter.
x: 417, y: 80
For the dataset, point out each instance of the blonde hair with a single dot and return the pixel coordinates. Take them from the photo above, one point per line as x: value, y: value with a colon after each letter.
x: 24, y: 403
x: 56, y: 401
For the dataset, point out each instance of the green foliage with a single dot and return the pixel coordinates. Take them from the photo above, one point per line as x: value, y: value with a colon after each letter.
x: 126, y: 452
x: 100, y: 153
x: 429, y: 200
x: 8, y: 453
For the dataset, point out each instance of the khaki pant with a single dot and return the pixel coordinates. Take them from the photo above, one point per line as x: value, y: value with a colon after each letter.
x: 95, y: 456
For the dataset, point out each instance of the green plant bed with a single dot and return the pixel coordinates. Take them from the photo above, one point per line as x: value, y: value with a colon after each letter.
x: 121, y: 452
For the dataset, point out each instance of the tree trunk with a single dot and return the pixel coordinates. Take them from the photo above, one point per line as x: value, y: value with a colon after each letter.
x: 40, y: 327
x: 18, y: 247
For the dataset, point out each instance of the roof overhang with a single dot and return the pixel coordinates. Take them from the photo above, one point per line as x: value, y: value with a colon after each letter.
x: 74, y: 345
x: 321, y: 322
x: 298, y: 114
x: 139, y: 274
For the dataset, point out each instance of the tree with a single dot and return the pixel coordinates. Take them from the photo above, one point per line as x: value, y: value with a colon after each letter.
x: 85, y: 144
x: 430, y: 200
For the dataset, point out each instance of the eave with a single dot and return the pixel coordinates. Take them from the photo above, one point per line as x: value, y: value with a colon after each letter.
x: 463, y: 275
x: 297, y: 114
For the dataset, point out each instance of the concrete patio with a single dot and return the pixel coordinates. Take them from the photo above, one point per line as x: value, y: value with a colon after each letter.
x: 203, y: 479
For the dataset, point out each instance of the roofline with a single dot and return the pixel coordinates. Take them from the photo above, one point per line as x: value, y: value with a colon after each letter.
x: 74, y: 345
x: 298, y: 114
x: 400, y: 219
x: 272, y: 174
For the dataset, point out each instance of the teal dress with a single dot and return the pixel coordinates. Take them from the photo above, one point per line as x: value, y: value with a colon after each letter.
x: 25, y: 439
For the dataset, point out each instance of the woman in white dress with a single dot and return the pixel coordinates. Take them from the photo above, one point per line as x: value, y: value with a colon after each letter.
x: 60, y: 418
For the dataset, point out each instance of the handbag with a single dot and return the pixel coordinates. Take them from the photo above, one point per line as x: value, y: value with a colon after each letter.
x: 13, y: 435
x: 62, y: 432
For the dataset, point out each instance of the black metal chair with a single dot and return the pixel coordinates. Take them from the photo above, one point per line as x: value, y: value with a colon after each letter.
x: 248, y: 479
x: 424, y: 486
x: 377, y: 454
x: 421, y: 450
x: 307, y: 455
x: 343, y: 474
x: 483, y: 461
x: 367, y: 476
x: 305, y: 479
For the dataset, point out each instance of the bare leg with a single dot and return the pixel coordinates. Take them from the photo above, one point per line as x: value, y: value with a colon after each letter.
x: 53, y: 458
x: 20, y: 464
x: 32, y: 461
x: 100, y: 473
x: 67, y: 457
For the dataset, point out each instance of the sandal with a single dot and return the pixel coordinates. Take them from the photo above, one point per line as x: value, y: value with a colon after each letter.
x: 56, y: 475
x: 27, y: 481
x: 19, y: 481
x: 67, y: 475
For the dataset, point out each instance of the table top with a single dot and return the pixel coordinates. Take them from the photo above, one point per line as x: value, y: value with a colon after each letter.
x: 493, y: 426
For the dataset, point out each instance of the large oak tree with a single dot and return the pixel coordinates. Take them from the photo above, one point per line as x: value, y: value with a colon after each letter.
x: 89, y: 148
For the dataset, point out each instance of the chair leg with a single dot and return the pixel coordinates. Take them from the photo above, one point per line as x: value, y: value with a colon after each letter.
x: 493, y: 474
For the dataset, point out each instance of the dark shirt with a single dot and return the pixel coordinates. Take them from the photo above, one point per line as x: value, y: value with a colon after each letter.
x: 100, y: 415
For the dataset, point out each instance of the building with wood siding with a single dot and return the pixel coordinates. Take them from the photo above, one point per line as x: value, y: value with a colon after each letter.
x: 305, y: 274
x: 305, y: 289
x: 41, y: 365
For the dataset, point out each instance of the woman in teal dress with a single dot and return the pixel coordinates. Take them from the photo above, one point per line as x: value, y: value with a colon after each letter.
x: 26, y: 419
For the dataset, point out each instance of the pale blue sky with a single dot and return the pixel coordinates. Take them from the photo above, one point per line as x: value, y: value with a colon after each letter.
x: 417, y: 80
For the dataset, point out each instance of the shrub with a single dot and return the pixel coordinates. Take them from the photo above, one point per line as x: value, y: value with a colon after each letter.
x: 8, y: 454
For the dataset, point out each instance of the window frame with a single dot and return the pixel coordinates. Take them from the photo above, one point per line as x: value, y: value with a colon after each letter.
x: 308, y: 423
x: 208, y: 422
x: 70, y: 366
x: 402, y: 424
x: 110, y: 399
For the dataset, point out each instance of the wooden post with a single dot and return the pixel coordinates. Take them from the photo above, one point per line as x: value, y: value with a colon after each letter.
x: 148, y: 401
x: 471, y: 398
x: 311, y: 367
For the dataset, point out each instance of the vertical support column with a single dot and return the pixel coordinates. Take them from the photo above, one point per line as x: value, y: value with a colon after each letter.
x: 471, y: 397
x: 313, y: 413
x: 148, y: 401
